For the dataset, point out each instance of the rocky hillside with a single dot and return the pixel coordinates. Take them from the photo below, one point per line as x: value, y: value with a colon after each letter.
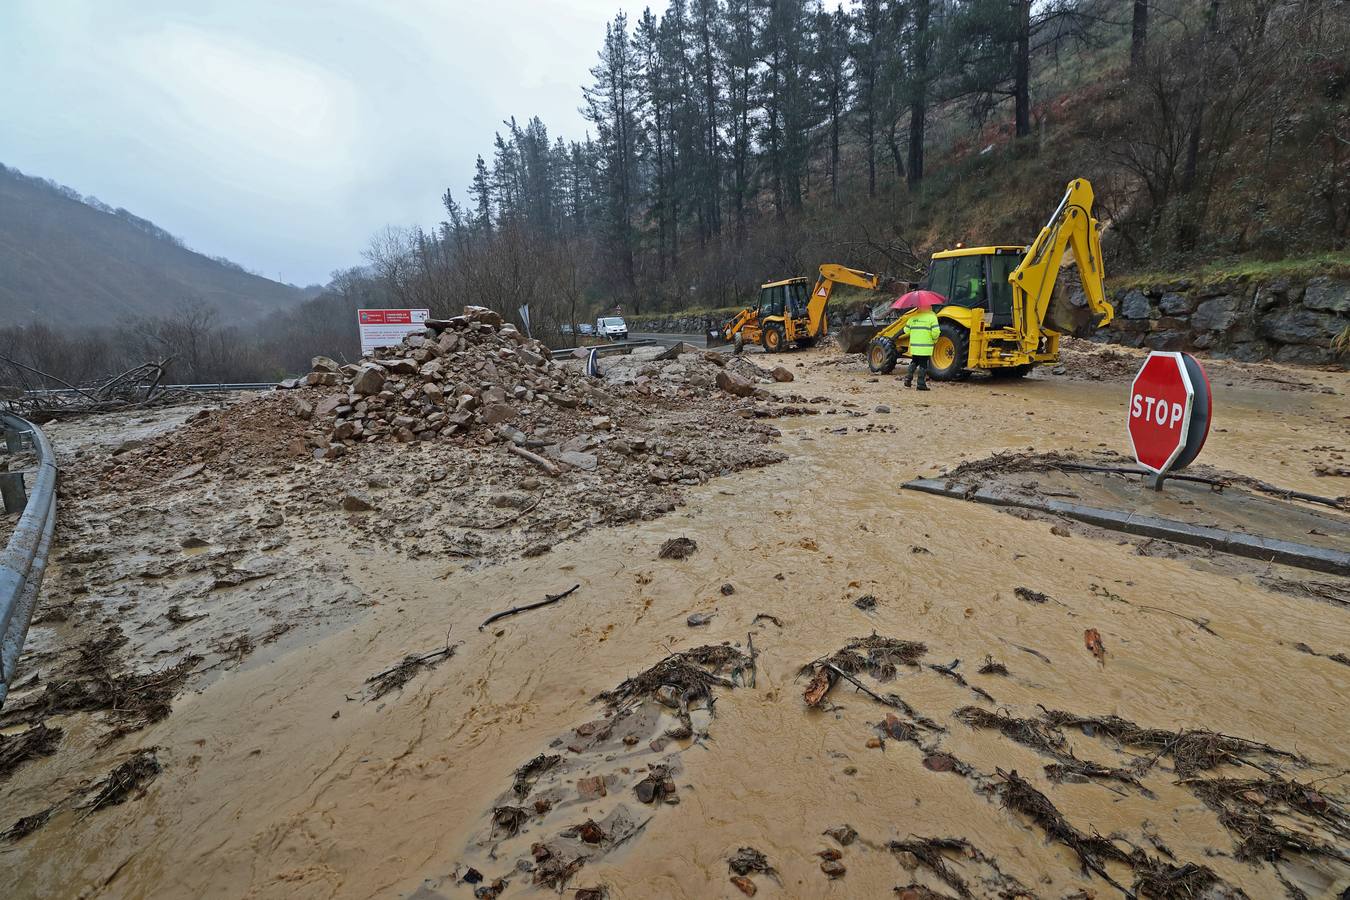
x: 69, y: 259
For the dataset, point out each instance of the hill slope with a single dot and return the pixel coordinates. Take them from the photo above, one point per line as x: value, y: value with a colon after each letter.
x: 68, y: 259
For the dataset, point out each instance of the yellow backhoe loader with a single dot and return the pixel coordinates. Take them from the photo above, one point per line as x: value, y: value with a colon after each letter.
x: 998, y: 315
x: 787, y: 314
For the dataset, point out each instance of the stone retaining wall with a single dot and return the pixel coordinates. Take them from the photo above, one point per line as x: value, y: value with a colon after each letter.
x: 1282, y: 319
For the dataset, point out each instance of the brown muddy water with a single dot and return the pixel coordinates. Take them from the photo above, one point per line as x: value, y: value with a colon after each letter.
x: 282, y: 779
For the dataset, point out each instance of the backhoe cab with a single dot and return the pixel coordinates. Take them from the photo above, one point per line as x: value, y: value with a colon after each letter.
x: 999, y: 314
x: 790, y: 312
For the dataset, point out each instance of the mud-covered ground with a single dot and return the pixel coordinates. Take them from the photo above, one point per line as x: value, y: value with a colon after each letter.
x: 638, y: 735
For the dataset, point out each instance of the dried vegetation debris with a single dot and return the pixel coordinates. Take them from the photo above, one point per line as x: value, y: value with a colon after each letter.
x: 126, y: 781
x: 31, y: 743
x: 98, y: 681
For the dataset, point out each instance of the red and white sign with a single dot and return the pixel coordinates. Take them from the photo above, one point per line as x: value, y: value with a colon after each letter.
x: 1169, y: 411
x: 387, y: 327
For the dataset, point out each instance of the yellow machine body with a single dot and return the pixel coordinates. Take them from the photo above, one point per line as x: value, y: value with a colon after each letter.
x: 791, y: 312
x: 998, y: 315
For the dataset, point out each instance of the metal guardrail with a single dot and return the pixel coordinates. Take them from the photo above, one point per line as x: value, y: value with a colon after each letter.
x: 204, y: 388
x: 25, y: 557
x: 565, y: 352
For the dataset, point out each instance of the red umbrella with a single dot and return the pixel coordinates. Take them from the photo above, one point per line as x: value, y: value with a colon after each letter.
x: 915, y: 298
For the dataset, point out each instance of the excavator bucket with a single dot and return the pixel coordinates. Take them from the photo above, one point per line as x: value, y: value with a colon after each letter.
x: 854, y: 337
x: 1068, y: 312
x: 715, y: 337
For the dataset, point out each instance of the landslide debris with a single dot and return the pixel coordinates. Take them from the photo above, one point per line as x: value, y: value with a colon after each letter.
x: 599, y: 784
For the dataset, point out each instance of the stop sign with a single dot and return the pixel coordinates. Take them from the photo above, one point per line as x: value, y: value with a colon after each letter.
x: 1169, y: 411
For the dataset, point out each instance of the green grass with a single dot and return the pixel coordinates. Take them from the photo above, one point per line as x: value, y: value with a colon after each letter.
x: 1259, y: 270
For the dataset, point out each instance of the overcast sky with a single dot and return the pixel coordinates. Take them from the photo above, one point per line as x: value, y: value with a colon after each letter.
x: 283, y: 134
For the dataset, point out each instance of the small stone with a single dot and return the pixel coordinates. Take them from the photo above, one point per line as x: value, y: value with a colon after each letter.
x: 1059, y: 531
x: 697, y: 619
x: 844, y: 834
x: 833, y: 868
x: 873, y: 743
x: 590, y: 788
x: 353, y: 502
x: 590, y: 832
x: 781, y: 373
x: 728, y: 589
x: 744, y: 885
x: 883, y: 408
x: 829, y: 853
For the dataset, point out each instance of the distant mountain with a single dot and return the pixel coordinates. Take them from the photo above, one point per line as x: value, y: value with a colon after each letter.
x: 75, y: 260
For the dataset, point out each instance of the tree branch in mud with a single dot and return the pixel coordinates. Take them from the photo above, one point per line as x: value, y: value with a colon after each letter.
x: 395, y: 677
x: 547, y: 601
x: 547, y: 465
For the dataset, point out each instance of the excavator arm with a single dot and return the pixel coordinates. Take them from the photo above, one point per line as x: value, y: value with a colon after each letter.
x: 1033, y: 281
x: 739, y: 321
x: 830, y: 275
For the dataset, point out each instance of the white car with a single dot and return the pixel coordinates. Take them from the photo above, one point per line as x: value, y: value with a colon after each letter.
x: 612, y: 327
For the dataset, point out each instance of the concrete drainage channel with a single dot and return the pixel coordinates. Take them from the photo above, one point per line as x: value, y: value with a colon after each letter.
x: 1290, y: 553
x: 25, y: 556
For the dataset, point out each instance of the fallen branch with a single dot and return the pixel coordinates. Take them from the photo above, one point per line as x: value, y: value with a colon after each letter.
x: 890, y: 700
x: 550, y: 599
x: 511, y: 518
x: 548, y: 466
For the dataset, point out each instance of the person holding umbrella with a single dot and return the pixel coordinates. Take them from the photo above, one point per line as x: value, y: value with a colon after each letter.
x: 923, y: 330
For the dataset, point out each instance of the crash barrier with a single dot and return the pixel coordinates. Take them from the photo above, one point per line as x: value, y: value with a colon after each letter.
x: 33, y: 491
x: 202, y: 388
x: 623, y: 347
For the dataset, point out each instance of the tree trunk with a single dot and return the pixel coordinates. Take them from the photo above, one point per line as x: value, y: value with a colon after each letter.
x: 1022, y: 68
x: 918, y: 104
x: 1139, y: 34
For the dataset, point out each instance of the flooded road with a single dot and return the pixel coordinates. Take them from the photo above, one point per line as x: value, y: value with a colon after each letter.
x: 281, y: 779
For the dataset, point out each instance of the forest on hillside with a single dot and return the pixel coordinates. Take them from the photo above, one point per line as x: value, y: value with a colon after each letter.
x: 735, y: 140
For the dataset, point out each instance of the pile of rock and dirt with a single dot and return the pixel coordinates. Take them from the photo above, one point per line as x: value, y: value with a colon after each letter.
x: 467, y: 443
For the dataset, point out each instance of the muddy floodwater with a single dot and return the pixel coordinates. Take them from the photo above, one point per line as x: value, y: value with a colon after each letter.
x: 284, y: 777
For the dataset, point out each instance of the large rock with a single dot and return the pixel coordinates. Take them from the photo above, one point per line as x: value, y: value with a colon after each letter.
x: 780, y: 373
x: 1301, y: 326
x: 1218, y: 314
x: 734, y: 384
x: 587, y: 462
x: 1328, y: 294
x: 1271, y: 294
x: 496, y: 413
x: 1303, y: 353
x: 1166, y: 340
x: 483, y: 316
x: 1175, y: 304
x: 324, y: 364
x: 369, y: 379
x: 1135, y: 305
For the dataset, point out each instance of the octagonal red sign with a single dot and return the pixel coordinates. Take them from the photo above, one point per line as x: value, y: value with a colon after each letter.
x: 1169, y: 411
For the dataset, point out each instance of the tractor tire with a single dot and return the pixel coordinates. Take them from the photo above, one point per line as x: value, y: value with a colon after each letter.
x: 773, y: 338
x: 738, y: 343
x: 882, y: 356
x: 950, y: 353
x: 1009, y: 372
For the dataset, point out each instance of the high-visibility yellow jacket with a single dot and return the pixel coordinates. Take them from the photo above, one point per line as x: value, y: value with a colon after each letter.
x: 923, y: 331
